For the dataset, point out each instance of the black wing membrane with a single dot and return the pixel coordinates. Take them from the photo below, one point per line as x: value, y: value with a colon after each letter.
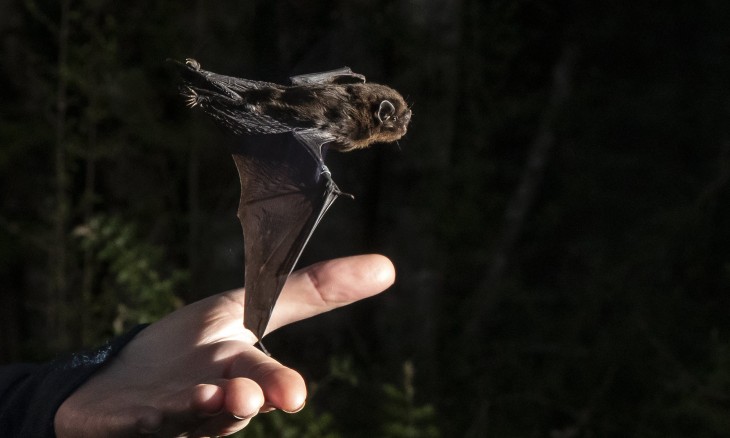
x: 284, y: 195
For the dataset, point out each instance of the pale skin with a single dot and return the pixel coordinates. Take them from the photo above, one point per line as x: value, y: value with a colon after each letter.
x: 197, y: 372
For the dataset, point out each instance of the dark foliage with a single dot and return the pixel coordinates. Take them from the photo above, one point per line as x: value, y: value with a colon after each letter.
x: 558, y: 213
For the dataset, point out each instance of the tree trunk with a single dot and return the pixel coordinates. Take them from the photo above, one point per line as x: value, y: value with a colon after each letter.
x: 486, y: 294
x: 87, y: 281
x: 58, y: 251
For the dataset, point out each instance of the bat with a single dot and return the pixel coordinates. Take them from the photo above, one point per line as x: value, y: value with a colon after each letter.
x: 283, y: 133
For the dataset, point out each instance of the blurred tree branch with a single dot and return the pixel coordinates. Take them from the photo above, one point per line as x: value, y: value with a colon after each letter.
x: 486, y: 293
x: 32, y: 7
x: 58, y: 251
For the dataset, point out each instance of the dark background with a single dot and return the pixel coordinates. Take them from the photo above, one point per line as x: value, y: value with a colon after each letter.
x: 558, y: 212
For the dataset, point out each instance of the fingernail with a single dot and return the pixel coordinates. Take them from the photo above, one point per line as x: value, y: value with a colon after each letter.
x: 295, y: 410
x: 266, y: 409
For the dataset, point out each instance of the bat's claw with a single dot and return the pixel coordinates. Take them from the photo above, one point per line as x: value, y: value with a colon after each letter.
x: 190, y: 62
x: 192, y: 98
x: 338, y: 192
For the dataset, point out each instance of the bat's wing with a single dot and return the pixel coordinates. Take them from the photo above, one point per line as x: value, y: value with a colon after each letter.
x: 284, y: 195
x: 339, y: 76
x: 193, y: 73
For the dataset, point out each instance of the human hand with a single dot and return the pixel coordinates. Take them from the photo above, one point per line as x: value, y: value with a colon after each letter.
x: 197, y: 373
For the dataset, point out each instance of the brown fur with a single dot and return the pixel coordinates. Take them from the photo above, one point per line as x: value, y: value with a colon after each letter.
x: 349, y: 113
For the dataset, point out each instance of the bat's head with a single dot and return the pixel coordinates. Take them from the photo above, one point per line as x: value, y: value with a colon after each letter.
x: 390, y: 114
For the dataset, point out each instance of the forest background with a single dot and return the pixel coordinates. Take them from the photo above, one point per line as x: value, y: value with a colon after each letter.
x: 558, y: 212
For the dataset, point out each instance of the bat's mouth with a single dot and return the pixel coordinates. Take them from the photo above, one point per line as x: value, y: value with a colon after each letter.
x: 406, y: 119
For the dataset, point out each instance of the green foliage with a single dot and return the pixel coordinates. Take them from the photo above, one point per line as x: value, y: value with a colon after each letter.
x: 342, y: 369
x: 134, y: 285
x: 393, y: 413
x: 312, y: 421
x: 698, y: 406
x: 307, y: 423
x: 610, y: 314
x: 403, y: 417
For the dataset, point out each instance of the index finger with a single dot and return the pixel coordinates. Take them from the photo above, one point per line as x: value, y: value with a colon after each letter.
x: 328, y: 285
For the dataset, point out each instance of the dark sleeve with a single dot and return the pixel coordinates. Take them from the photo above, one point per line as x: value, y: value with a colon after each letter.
x: 30, y: 394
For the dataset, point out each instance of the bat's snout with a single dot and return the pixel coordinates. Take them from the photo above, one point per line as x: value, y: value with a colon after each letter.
x: 407, y: 118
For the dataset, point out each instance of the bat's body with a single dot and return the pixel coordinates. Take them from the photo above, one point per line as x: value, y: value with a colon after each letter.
x: 285, y: 186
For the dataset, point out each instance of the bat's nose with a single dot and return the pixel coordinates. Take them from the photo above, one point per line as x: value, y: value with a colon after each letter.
x: 407, y: 116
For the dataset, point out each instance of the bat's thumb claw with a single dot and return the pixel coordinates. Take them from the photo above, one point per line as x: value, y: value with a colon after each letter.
x: 332, y: 187
x: 336, y: 190
x: 348, y: 195
x: 190, y: 62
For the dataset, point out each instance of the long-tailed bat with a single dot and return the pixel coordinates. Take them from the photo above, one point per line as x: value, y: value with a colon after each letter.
x: 285, y: 186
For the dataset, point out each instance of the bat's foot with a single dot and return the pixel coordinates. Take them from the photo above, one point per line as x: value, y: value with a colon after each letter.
x: 192, y: 98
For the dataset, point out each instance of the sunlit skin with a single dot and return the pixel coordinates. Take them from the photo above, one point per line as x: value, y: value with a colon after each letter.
x: 197, y: 373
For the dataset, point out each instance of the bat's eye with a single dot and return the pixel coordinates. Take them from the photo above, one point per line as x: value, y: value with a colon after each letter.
x: 386, y: 111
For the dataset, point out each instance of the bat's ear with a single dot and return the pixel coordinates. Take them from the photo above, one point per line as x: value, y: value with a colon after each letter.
x: 386, y: 111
